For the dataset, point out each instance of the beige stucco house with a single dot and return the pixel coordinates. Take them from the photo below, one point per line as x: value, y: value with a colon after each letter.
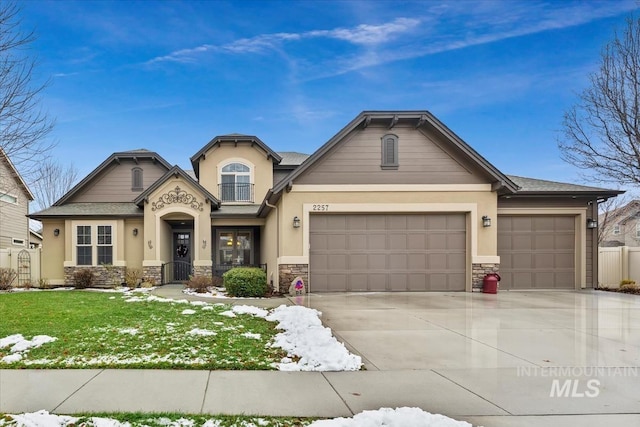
x: 621, y: 226
x: 14, y: 206
x: 395, y: 201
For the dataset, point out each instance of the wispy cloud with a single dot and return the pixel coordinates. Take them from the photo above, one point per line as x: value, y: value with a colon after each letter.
x: 364, y: 34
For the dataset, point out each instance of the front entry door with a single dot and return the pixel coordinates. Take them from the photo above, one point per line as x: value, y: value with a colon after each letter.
x: 181, y: 255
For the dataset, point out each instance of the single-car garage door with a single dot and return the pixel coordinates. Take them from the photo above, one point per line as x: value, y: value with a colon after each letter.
x: 387, y: 252
x: 536, y: 251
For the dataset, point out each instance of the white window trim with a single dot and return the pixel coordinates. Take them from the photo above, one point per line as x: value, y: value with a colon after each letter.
x: 616, y: 229
x: 638, y: 230
x: 13, y: 196
x: 94, y: 242
x: 17, y: 242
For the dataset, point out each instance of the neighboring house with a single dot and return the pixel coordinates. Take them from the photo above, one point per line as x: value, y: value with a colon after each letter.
x: 621, y: 226
x: 35, y: 239
x: 14, y: 206
x: 395, y: 201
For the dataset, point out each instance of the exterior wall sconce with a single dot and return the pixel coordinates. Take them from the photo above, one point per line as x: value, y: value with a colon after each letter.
x: 150, y: 244
x: 135, y: 231
x: 204, y: 244
x: 486, y: 221
x: 296, y: 222
x: 592, y: 223
x: 56, y: 232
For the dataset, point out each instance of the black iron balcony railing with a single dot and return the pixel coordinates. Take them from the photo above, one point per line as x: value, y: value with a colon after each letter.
x: 236, y: 192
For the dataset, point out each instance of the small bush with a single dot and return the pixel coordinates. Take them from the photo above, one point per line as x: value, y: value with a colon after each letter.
x: 132, y: 277
x: 43, y: 283
x: 83, y: 278
x: 245, y: 282
x: 200, y: 284
x: 148, y: 282
x: 7, y: 276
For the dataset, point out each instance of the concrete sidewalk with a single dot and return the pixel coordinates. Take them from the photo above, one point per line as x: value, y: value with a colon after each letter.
x: 467, y: 356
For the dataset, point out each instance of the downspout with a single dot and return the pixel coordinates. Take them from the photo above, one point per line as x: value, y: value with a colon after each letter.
x: 266, y: 202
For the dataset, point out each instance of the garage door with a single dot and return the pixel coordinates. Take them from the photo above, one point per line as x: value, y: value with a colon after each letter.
x: 536, y: 251
x: 387, y: 252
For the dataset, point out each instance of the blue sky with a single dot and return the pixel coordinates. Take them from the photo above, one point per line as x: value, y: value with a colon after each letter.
x: 169, y: 76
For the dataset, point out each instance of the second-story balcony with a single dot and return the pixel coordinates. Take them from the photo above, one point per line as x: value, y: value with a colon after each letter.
x: 236, y: 192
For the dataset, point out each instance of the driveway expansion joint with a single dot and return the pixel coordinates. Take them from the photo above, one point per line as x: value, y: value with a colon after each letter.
x: 77, y: 390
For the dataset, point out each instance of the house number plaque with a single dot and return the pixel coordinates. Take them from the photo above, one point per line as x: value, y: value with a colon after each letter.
x: 320, y: 208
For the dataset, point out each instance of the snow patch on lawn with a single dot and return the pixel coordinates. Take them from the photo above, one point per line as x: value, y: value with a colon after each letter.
x: 20, y: 345
x: 252, y: 335
x: 384, y: 417
x: 304, y: 336
x: 201, y: 332
x: 228, y: 313
x: 188, y: 311
x: 130, y: 331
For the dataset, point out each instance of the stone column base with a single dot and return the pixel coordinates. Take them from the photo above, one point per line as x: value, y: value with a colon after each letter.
x: 479, y: 271
x: 288, y: 272
x: 152, y: 273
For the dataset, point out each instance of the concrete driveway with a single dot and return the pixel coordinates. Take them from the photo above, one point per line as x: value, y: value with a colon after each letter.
x: 517, y: 358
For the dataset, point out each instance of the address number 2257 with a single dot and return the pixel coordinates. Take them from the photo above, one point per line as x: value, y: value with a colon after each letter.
x: 320, y: 208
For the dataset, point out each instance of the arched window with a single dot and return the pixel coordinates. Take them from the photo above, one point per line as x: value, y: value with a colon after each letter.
x: 136, y: 179
x: 235, y: 183
x: 389, y: 152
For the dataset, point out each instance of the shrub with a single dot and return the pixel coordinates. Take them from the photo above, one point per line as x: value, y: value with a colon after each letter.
x: 148, y: 282
x: 132, y: 277
x: 628, y: 285
x: 200, y: 284
x: 7, y: 276
x: 83, y: 278
x: 245, y: 282
x: 43, y: 283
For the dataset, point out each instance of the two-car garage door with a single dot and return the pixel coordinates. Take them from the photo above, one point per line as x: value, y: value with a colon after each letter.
x: 387, y: 252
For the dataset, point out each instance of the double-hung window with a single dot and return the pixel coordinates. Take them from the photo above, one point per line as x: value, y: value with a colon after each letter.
x: 616, y: 229
x: 105, y: 245
x: 94, y: 244
x: 637, y: 230
x: 84, y: 248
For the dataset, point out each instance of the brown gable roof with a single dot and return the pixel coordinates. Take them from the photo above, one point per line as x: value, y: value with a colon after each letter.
x: 175, y: 172
x: 541, y: 187
x: 235, y: 138
x: 421, y: 118
x: 115, y: 157
x: 16, y: 174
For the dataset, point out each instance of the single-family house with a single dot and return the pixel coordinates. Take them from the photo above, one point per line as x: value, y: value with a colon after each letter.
x: 14, y: 206
x: 395, y: 201
x: 621, y: 226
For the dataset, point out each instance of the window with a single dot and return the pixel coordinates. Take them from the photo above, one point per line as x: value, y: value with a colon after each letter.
x: 105, y: 245
x: 9, y: 198
x: 136, y: 179
x: 616, y: 229
x: 389, y: 152
x: 235, y: 183
x: 83, y: 242
x: 17, y: 242
x: 637, y: 230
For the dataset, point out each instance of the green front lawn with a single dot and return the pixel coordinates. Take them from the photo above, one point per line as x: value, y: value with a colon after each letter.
x: 102, y: 330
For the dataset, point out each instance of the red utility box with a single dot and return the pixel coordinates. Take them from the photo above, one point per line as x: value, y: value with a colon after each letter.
x: 490, y: 283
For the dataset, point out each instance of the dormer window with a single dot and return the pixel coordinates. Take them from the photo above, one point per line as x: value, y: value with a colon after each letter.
x: 136, y: 179
x: 389, y: 152
x: 235, y: 183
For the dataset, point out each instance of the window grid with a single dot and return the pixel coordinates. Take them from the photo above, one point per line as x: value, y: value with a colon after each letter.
x: 83, y: 242
x: 105, y: 248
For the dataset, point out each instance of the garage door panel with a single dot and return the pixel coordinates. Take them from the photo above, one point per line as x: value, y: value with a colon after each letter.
x: 536, y: 251
x: 387, y: 252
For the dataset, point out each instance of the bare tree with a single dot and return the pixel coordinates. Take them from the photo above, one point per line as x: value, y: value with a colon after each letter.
x: 611, y: 213
x: 23, y: 125
x: 53, y: 181
x: 601, y: 133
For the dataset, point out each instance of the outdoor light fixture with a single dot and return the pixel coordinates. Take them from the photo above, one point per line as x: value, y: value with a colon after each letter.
x: 486, y: 221
x: 592, y: 223
x: 296, y: 222
x: 56, y: 232
x: 135, y: 231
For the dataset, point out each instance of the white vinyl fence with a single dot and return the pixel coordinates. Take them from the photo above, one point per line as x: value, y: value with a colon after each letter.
x: 616, y: 264
x: 25, y: 262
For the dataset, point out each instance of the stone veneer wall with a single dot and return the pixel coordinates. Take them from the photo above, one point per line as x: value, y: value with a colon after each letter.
x: 481, y: 270
x: 103, y: 276
x: 153, y: 272
x: 203, y: 270
x: 288, y: 272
